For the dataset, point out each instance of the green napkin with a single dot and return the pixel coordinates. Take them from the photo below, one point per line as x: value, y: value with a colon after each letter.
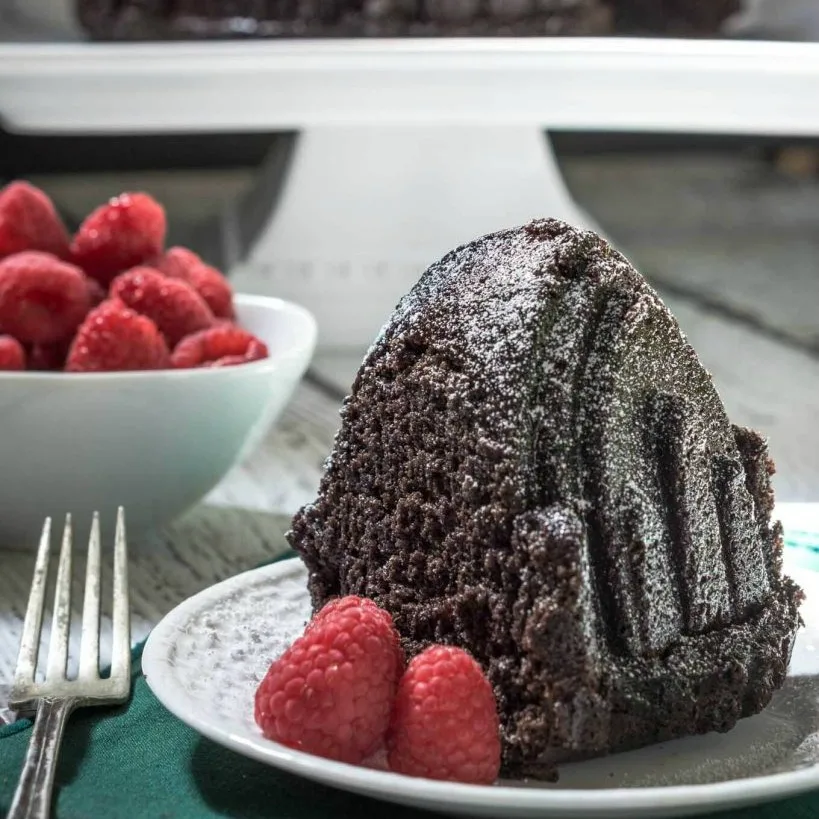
x: 140, y: 761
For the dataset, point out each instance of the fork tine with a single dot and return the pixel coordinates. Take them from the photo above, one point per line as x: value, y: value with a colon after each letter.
x: 121, y: 649
x: 61, y: 622
x: 90, y: 640
x: 33, y: 624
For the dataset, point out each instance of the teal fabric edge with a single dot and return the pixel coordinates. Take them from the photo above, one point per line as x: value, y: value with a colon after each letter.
x: 807, y: 541
x: 136, y: 652
x: 14, y: 728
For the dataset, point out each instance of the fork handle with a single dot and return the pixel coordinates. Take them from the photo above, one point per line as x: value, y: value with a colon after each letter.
x: 32, y: 800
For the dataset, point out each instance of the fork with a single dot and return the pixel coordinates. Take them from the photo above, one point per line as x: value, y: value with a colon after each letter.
x: 56, y: 697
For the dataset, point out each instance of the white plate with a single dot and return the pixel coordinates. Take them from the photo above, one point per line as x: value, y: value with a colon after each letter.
x: 205, y: 659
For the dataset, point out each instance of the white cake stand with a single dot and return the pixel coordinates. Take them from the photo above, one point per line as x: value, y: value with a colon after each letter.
x: 408, y: 148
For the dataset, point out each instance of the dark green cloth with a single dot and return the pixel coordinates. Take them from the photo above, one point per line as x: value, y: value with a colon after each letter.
x: 139, y: 762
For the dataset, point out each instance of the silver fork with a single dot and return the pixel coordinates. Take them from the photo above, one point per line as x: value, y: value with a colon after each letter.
x: 54, y: 699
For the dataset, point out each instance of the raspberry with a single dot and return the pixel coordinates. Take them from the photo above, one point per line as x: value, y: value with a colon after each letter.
x: 12, y: 354
x: 331, y: 692
x: 127, y: 231
x: 221, y: 346
x: 174, y: 306
x: 42, y: 299
x: 207, y: 281
x: 445, y: 720
x: 95, y: 291
x: 341, y: 604
x: 114, y: 337
x: 49, y: 356
x: 28, y: 221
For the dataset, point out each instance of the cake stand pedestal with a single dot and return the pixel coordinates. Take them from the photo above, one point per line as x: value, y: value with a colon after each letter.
x: 365, y: 210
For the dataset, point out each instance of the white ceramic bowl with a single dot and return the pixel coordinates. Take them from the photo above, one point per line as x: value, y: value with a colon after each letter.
x: 155, y: 442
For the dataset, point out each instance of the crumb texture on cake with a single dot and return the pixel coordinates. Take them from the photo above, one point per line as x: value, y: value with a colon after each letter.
x: 533, y: 464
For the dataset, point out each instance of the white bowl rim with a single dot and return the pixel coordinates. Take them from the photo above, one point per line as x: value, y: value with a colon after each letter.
x: 297, y: 351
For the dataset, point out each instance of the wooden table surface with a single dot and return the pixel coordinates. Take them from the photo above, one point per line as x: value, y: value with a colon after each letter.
x: 745, y: 290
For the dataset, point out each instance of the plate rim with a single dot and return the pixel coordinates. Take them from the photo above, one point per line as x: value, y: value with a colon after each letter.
x: 410, y: 790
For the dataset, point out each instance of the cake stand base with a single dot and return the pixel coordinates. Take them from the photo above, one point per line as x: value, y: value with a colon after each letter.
x: 365, y: 210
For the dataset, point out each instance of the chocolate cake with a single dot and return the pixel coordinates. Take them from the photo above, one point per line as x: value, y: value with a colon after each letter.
x: 205, y: 19
x: 678, y: 18
x: 533, y: 464
x: 199, y: 19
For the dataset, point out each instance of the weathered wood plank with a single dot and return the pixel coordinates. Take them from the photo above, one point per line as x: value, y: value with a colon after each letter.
x: 727, y: 228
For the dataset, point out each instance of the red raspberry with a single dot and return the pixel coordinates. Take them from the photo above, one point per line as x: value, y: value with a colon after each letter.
x: 42, y: 299
x: 174, y: 306
x: 114, y: 337
x: 331, y: 692
x: 127, y: 231
x: 341, y: 604
x: 96, y: 291
x: 221, y: 346
x: 445, y: 721
x: 207, y: 281
x: 12, y: 354
x: 49, y: 356
x: 28, y: 221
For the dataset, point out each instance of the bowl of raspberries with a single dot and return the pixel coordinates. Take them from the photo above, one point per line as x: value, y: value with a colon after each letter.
x: 130, y: 373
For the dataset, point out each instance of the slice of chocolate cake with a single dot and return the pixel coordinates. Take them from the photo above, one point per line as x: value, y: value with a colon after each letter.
x: 534, y: 465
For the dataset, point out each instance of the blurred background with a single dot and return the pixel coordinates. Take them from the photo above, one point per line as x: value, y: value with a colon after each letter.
x: 310, y: 158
